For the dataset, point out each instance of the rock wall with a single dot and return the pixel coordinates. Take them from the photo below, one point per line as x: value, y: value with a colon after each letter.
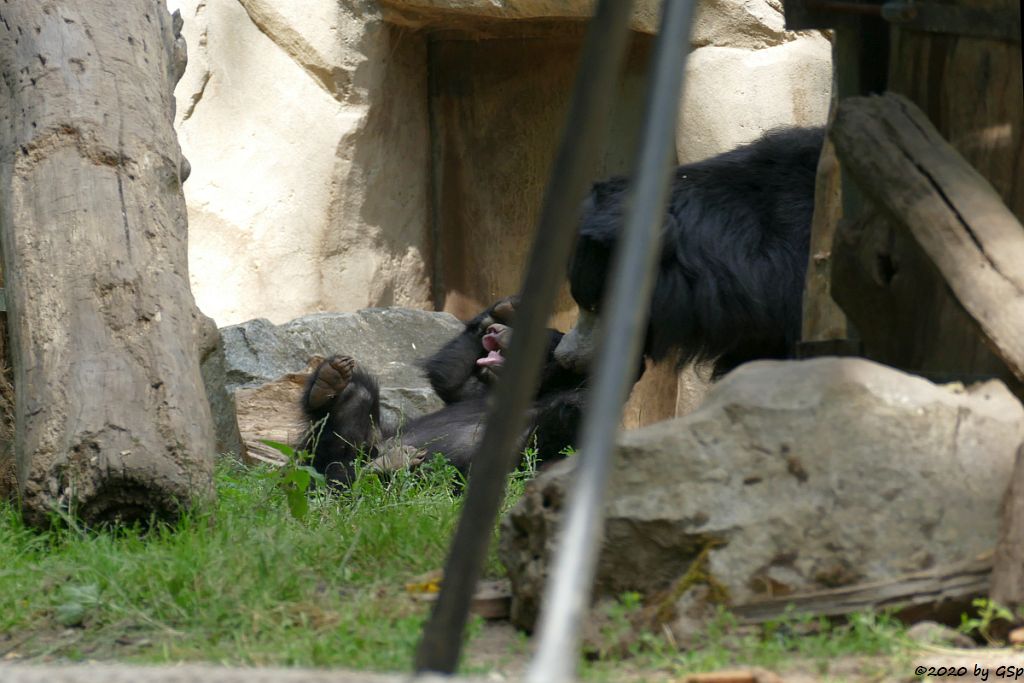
x: 348, y: 154
x: 746, y: 75
x: 495, y: 127
x: 305, y: 123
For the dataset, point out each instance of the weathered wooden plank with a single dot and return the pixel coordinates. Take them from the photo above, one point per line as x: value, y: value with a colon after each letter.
x: 970, y: 88
x: 822, y: 318
x: 972, y: 91
x: 901, y: 162
x: 932, y: 587
x: 860, y: 48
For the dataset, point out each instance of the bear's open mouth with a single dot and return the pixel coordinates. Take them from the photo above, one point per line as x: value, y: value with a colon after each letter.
x: 492, y: 359
x: 492, y: 344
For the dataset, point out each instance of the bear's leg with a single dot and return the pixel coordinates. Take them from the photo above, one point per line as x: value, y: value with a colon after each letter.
x: 342, y: 403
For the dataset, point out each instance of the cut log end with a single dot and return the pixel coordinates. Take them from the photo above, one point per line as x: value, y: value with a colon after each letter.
x: 111, y: 501
x: 127, y: 503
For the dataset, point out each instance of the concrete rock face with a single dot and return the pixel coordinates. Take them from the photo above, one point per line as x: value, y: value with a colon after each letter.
x: 266, y: 365
x: 421, y: 14
x: 386, y: 341
x: 306, y: 127
x: 791, y: 477
x: 327, y: 176
x: 748, y: 74
x: 222, y: 405
x: 733, y: 94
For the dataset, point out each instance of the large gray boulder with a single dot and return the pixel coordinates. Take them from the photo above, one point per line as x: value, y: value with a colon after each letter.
x: 791, y: 477
x: 266, y: 364
x: 222, y: 404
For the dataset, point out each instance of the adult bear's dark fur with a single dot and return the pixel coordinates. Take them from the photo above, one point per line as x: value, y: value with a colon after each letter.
x: 342, y: 403
x: 734, y: 252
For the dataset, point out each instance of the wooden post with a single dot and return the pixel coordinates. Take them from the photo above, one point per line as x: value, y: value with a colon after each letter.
x: 859, y: 62
x: 112, y: 421
x: 822, y: 318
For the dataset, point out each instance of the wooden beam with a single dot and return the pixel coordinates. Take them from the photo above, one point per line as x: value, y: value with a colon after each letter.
x: 931, y: 589
x: 902, y: 164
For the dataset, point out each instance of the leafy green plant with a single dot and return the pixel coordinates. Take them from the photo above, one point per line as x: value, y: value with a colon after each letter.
x: 294, y: 478
x: 988, y: 613
x: 524, y: 472
x: 617, y: 627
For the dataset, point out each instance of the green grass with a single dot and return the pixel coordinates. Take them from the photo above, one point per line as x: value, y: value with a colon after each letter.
x: 244, y: 582
x: 813, y: 642
x: 252, y: 581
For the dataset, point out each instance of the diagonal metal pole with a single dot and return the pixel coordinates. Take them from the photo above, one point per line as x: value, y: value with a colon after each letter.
x: 622, y: 329
x: 496, y: 456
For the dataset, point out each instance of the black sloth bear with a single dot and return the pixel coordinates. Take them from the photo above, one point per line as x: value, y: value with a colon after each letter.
x: 342, y: 404
x: 734, y: 252
x: 728, y: 289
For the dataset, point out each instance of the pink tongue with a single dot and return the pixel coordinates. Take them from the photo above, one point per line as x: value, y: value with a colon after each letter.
x: 491, y: 359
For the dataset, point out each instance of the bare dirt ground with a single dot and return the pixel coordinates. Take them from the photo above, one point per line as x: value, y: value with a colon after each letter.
x: 502, y: 651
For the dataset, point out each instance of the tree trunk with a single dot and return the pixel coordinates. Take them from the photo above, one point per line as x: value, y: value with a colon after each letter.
x: 112, y: 419
x: 8, y: 478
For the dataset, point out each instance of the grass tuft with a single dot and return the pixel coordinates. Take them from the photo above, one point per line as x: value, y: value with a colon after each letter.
x: 243, y: 582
